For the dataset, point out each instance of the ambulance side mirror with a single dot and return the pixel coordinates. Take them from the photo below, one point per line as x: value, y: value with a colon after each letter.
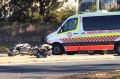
x: 61, y: 30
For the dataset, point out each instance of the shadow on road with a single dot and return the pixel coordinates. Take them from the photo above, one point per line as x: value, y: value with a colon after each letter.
x: 58, y: 69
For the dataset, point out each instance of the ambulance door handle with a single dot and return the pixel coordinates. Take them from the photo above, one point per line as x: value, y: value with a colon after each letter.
x: 83, y: 33
x: 75, y: 33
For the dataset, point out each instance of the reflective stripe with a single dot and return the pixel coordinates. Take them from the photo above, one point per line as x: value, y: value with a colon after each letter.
x: 85, y: 48
x: 89, y: 43
x: 90, y: 39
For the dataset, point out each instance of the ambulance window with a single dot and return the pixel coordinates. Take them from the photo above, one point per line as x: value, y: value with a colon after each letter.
x: 94, y: 23
x: 71, y: 24
x: 65, y: 27
x: 101, y: 23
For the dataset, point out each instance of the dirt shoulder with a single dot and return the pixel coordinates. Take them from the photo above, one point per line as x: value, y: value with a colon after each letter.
x: 63, y: 58
x: 93, y: 75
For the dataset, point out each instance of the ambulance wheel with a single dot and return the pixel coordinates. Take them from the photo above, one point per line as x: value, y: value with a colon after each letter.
x: 91, y: 52
x: 101, y: 52
x: 57, y: 49
x: 117, y: 48
x: 71, y: 53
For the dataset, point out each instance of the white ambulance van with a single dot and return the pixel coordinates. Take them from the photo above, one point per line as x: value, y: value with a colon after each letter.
x: 87, y: 32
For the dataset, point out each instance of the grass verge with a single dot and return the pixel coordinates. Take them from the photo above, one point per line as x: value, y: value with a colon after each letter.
x: 3, y: 50
x: 94, y: 75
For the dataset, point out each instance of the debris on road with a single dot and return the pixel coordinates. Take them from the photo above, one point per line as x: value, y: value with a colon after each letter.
x: 25, y: 48
x: 19, y: 49
x: 43, y: 51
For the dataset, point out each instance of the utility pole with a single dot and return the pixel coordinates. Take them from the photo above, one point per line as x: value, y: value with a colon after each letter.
x: 77, y: 6
x: 98, y: 5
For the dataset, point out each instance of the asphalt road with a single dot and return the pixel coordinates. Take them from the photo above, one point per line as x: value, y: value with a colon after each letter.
x: 43, y: 70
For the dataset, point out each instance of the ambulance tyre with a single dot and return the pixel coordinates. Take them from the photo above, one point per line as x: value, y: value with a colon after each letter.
x: 57, y: 49
x: 117, y: 48
x: 70, y: 53
x: 101, y: 52
x: 91, y: 52
x: 98, y: 52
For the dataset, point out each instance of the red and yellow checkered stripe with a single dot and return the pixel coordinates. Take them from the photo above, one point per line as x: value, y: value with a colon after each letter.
x: 90, y: 39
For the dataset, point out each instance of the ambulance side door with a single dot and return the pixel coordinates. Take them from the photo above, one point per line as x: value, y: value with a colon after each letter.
x: 68, y: 30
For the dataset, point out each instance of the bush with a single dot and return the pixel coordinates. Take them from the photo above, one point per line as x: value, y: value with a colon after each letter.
x: 60, y: 15
x: 116, y: 77
x: 4, y: 50
x: 5, y: 23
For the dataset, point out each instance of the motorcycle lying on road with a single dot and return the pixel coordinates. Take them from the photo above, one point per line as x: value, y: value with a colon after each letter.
x: 25, y: 49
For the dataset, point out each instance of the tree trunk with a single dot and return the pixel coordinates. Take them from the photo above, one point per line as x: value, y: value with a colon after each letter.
x: 42, y: 8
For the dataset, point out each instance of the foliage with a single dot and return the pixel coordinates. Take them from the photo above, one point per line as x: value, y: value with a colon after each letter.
x: 3, y: 49
x: 116, y: 77
x: 25, y: 10
x: 92, y: 8
x: 60, y: 16
x: 5, y: 23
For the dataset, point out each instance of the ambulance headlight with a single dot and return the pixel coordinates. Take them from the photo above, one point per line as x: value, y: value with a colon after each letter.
x: 49, y: 41
x: 45, y: 39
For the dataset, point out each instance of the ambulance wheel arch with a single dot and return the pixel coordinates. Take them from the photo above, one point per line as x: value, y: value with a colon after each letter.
x: 91, y: 52
x: 57, y: 49
x: 117, y: 47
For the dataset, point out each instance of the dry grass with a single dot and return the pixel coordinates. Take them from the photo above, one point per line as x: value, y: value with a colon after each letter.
x: 32, y: 59
x: 94, y: 75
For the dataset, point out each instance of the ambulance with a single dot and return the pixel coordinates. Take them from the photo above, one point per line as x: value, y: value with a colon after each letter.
x: 87, y: 32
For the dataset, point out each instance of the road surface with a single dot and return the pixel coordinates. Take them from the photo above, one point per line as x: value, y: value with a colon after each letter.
x: 43, y: 70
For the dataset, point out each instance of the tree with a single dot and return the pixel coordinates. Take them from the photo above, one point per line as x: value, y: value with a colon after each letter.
x: 47, y: 6
x: 22, y: 9
x: 60, y: 16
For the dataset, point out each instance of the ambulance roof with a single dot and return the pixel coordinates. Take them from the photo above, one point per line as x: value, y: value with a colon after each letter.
x: 89, y: 14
